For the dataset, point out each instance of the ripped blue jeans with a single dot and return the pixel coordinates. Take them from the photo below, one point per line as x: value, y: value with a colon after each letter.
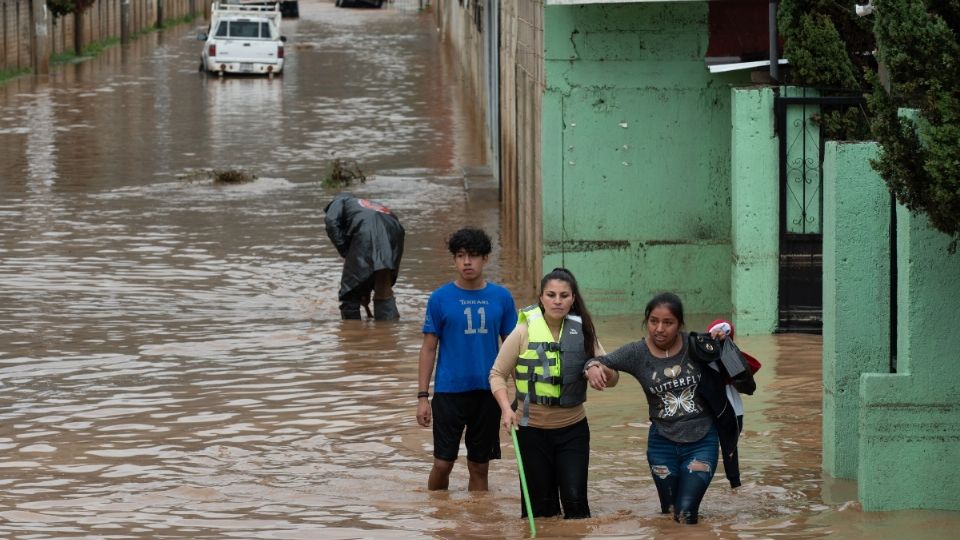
x: 682, y: 472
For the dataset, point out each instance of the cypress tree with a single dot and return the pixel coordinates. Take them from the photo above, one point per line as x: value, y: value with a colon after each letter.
x: 829, y: 49
x: 920, y: 159
x: 918, y: 43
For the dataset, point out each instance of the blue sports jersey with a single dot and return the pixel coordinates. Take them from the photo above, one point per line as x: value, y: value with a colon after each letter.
x: 469, y: 325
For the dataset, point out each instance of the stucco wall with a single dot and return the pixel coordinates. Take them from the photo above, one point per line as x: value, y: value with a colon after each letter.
x: 910, y: 421
x: 755, y: 201
x: 636, y: 155
x: 856, y: 282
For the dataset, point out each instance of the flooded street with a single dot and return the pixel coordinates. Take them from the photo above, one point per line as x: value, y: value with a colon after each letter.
x: 172, y: 362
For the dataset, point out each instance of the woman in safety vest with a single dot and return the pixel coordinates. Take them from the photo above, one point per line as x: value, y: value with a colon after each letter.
x: 546, y: 353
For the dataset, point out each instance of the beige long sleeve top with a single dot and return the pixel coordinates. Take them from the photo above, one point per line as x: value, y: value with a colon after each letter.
x: 501, y: 375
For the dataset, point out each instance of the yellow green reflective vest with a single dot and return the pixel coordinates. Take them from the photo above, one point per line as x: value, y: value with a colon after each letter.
x: 548, y: 372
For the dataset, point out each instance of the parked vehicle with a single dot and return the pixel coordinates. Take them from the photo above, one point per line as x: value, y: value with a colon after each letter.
x: 288, y: 8
x: 359, y: 3
x: 243, y: 38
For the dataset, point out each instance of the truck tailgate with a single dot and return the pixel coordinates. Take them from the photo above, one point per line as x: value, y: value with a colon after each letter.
x: 238, y: 50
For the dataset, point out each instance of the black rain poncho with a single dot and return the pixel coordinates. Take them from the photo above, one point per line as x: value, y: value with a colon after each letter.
x: 369, y: 237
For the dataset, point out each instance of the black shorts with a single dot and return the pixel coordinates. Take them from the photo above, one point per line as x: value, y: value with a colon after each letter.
x: 478, y: 412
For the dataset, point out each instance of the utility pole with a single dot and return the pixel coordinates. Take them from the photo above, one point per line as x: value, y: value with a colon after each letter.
x: 774, y: 45
x: 41, y: 36
x: 125, y: 21
x: 78, y: 27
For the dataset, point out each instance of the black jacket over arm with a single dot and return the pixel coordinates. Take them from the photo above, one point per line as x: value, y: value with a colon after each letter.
x: 712, y: 392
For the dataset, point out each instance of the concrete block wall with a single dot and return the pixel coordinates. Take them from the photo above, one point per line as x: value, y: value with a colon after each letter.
x: 14, y: 18
x: 61, y: 35
x: 15, y: 35
x: 455, y: 20
x: 636, y: 155
x: 99, y: 22
x: 523, y: 128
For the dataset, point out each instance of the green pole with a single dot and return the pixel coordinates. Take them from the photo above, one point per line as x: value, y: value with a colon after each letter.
x: 523, y: 483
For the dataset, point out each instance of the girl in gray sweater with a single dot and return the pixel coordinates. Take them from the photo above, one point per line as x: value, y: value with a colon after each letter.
x: 682, y: 446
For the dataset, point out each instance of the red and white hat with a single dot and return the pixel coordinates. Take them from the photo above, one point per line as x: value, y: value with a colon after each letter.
x: 725, y: 326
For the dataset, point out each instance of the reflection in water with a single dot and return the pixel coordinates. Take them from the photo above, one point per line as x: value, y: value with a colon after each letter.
x: 172, y: 363
x: 234, y: 107
x: 40, y: 149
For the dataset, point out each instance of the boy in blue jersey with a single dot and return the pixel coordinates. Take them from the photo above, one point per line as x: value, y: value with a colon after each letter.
x: 466, y: 320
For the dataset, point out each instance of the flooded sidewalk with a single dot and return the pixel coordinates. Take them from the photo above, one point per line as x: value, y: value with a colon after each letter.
x: 172, y: 362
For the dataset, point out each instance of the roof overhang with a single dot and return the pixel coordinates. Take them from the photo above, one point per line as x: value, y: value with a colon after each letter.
x: 737, y: 66
x: 580, y: 2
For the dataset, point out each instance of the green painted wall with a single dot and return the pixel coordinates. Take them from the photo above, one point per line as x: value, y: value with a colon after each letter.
x: 856, y: 282
x: 636, y: 155
x: 910, y: 421
x: 755, y: 200
x: 898, y: 433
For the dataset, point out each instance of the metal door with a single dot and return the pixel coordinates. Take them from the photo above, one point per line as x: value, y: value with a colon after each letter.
x: 801, y: 206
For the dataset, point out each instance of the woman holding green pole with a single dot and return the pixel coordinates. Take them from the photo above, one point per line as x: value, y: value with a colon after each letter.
x: 546, y: 353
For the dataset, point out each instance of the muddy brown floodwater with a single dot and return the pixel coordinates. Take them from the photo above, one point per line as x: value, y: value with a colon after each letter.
x: 172, y: 364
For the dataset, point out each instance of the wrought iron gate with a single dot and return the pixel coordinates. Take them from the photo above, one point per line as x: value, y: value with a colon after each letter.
x: 801, y: 206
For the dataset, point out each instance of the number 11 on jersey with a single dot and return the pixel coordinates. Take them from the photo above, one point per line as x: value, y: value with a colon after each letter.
x: 483, y: 321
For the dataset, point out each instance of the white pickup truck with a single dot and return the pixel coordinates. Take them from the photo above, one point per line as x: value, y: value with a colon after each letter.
x: 243, y: 38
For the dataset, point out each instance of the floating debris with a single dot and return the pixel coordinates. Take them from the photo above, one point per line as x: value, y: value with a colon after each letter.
x: 219, y: 176
x: 342, y: 173
x: 233, y: 176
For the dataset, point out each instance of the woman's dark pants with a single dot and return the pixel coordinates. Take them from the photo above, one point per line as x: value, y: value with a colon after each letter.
x: 555, y: 462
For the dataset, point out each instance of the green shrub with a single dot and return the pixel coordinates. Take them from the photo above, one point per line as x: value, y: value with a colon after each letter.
x: 7, y: 74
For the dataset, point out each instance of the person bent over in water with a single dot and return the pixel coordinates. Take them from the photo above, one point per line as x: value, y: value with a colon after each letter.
x: 370, y: 239
x: 465, y: 323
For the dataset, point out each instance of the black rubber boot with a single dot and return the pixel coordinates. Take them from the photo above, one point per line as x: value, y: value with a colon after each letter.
x: 350, y: 311
x: 385, y: 310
